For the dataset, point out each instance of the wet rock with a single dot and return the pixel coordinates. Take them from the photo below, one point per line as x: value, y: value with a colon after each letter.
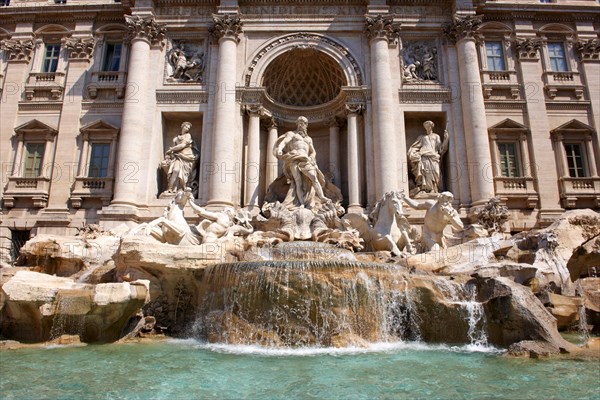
x: 38, y: 307
x: 565, y: 309
x: 585, y: 260
x: 589, y: 288
x: 514, y: 314
x: 532, y: 349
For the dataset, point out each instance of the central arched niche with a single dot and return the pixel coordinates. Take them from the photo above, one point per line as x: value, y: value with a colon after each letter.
x: 303, y: 77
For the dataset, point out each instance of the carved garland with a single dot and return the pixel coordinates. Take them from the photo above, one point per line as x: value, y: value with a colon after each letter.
x: 588, y: 49
x: 382, y: 27
x: 463, y: 27
x: 527, y: 49
x: 18, y: 50
x: 145, y: 28
x: 305, y: 37
x: 226, y: 26
x: 80, y: 48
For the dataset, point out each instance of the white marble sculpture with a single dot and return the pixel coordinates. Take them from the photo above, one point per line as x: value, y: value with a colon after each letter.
x: 387, y: 227
x: 171, y: 227
x: 424, y: 156
x: 295, y: 149
x: 439, y: 214
x: 225, y: 224
x: 180, y: 160
x: 186, y: 65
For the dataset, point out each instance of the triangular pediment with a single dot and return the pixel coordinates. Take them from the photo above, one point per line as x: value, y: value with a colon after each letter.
x: 35, y: 126
x: 98, y: 125
x: 508, y: 124
x: 573, y: 126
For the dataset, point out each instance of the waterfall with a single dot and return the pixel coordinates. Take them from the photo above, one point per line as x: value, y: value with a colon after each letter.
x: 300, y: 303
x: 582, y: 325
x: 70, y: 309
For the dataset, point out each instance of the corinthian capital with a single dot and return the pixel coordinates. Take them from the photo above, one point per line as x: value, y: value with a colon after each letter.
x: 527, y: 49
x: 588, y: 49
x: 80, y: 48
x: 145, y: 28
x: 382, y: 26
x: 462, y: 27
x: 226, y: 26
x: 18, y: 50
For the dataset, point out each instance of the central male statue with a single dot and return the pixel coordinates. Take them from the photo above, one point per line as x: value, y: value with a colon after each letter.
x: 296, y: 150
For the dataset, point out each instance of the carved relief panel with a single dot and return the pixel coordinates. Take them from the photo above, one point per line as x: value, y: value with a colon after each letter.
x: 186, y: 61
x: 420, y: 63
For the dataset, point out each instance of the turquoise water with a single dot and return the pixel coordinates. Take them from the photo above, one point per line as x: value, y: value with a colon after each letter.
x: 191, y: 370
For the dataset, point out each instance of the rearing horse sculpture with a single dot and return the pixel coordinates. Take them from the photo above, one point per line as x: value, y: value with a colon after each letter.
x: 387, y: 228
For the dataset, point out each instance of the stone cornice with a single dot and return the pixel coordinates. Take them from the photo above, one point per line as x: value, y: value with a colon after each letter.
x: 528, y: 49
x: 181, y: 96
x: 145, y: 28
x: 226, y: 26
x: 588, y: 50
x: 80, y: 48
x: 462, y: 28
x: 18, y: 50
x: 382, y: 27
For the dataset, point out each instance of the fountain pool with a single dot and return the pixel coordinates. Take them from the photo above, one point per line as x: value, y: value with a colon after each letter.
x: 188, y: 369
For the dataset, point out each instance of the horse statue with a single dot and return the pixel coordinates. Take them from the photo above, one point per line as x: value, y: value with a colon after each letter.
x: 439, y: 214
x: 386, y: 228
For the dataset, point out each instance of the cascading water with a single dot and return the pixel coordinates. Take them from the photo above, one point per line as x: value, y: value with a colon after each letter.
x: 71, y: 306
x: 299, y: 303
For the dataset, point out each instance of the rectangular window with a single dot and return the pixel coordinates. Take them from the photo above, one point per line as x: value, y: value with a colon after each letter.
x: 495, y: 56
x: 112, y: 57
x: 34, y: 156
x: 509, y: 162
x: 558, y: 60
x: 51, y: 58
x: 575, y: 164
x: 99, y: 160
x: 18, y: 237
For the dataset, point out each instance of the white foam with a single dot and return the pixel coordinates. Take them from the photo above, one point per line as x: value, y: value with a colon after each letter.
x: 381, y: 347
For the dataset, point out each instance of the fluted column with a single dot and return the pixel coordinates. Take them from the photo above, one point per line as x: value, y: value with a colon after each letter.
x: 226, y: 30
x: 132, y: 158
x: 272, y: 163
x: 252, y: 167
x: 334, y: 152
x: 381, y: 31
x: 589, y: 56
x: 462, y: 32
x: 353, y: 167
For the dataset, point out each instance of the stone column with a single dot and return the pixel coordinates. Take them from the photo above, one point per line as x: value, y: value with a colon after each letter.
x: 132, y: 157
x: 353, y: 163
x: 381, y: 31
x: 79, y: 53
x: 252, y: 170
x: 462, y: 32
x: 334, y: 152
x: 226, y: 29
x: 271, y: 160
x: 18, y: 54
x: 543, y: 165
x: 589, y: 56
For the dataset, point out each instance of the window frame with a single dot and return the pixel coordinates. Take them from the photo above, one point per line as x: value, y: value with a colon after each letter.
x: 45, y: 68
x: 502, y: 56
x: 564, y: 58
x: 105, y: 55
x: 517, y: 155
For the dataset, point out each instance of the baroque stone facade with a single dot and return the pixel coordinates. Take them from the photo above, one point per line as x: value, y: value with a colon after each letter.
x: 94, y: 94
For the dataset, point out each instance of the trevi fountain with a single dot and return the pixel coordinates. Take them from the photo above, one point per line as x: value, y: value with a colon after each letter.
x: 301, y: 299
x: 347, y: 199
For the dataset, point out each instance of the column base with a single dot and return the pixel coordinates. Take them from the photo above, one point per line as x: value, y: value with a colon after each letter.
x: 355, y: 209
x: 547, y: 216
x: 218, y: 205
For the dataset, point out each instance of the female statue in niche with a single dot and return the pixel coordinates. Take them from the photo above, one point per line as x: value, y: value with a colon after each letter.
x: 180, y: 160
x: 424, y: 156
